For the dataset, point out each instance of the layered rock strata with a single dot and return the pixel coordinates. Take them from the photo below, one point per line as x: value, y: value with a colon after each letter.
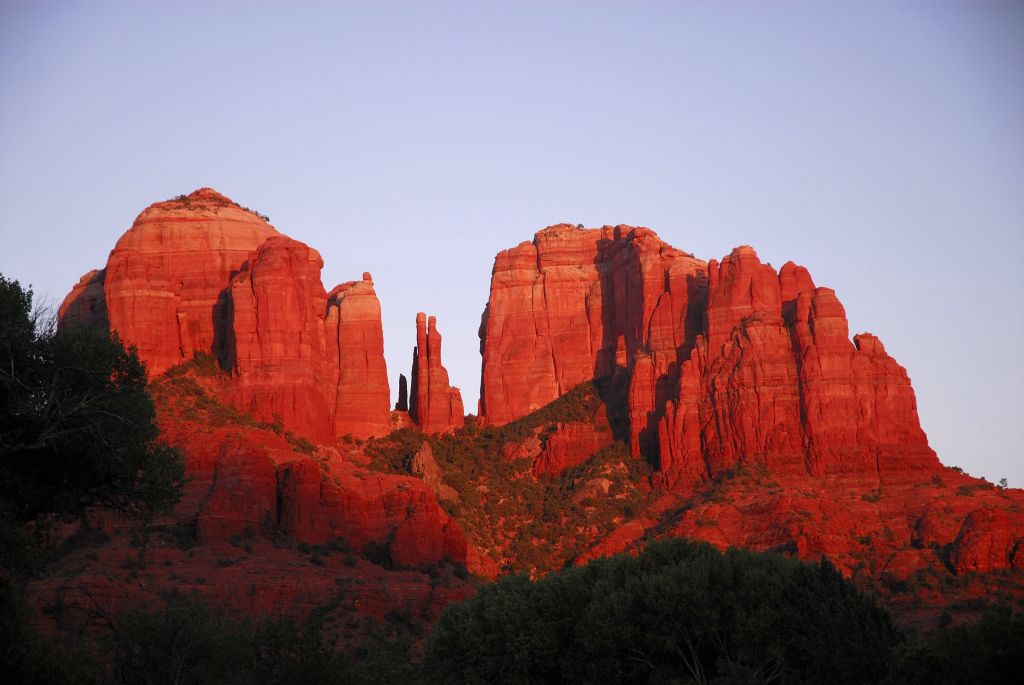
x: 774, y: 380
x: 574, y: 304
x: 165, y: 276
x: 200, y: 275
x: 727, y: 364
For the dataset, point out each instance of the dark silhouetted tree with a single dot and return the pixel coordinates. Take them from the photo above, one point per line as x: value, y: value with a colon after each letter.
x: 77, y: 426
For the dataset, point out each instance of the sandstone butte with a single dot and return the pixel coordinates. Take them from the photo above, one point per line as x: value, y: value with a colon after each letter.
x: 201, y: 277
x: 435, y: 406
x: 727, y: 363
x: 716, y: 366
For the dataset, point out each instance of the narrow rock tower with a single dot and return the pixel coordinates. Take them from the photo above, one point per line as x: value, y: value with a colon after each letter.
x: 434, y: 405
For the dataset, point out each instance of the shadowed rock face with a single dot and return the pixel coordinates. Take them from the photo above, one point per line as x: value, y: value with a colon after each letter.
x: 435, y: 406
x: 86, y: 305
x: 201, y: 275
x: 728, y: 363
x: 403, y: 394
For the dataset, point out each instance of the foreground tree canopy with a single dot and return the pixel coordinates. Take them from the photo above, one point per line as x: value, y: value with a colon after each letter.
x: 680, y: 612
x: 77, y: 427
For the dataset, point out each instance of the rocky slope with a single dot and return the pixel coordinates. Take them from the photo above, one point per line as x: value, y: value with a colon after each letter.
x: 576, y: 304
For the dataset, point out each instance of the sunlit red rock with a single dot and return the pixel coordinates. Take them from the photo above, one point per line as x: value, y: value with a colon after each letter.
x: 986, y: 542
x: 397, y: 516
x: 769, y: 428
x: 729, y: 363
x: 575, y: 303
x: 570, y: 444
x: 435, y: 406
x: 200, y: 275
x: 777, y: 381
x: 310, y: 359
x: 739, y: 396
x: 254, y: 483
x: 165, y: 276
x: 618, y: 541
x: 362, y: 400
x: 277, y: 343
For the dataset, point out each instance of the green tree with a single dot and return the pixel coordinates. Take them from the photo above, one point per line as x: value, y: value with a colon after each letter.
x: 190, y: 642
x: 987, y: 652
x: 77, y: 426
x: 77, y: 430
x: 680, y: 612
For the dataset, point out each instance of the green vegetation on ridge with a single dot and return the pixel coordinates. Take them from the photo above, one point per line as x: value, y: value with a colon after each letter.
x: 529, y: 524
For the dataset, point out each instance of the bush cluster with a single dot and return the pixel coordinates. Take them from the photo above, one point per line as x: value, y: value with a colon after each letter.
x: 680, y: 612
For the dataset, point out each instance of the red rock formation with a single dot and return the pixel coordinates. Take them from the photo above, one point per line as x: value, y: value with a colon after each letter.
x: 734, y: 376
x: 283, y: 367
x: 396, y: 514
x: 311, y: 359
x: 425, y: 466
x: 570, y: 444
x: 85, y: 305
x: 165, y: 275
x: 986, y: 542
x: 727, y: 363
x: 616, y: 542
x: 362, y: 401
x: 253, y: 482
x: 199, y: 274
x: 435, y: 406
x: 574, y: 304
x: 242, y: 498
x: 776, y: 381
x: 739, y: 400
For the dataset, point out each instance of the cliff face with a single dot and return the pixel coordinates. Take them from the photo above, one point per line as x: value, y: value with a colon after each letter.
x: 362, y: 400
x: 201, y: 275
x: 86, y: 304
x: 576, y: 304
x: 436, y: 407
x: 166, y: 274
x: 774, y: 380
x: 726, y: 364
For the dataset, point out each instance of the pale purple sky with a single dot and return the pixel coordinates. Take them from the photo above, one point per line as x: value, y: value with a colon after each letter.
x: 881, y: 144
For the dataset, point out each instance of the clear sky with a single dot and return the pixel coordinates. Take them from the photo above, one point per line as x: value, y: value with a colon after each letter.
x: 881, y: 144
